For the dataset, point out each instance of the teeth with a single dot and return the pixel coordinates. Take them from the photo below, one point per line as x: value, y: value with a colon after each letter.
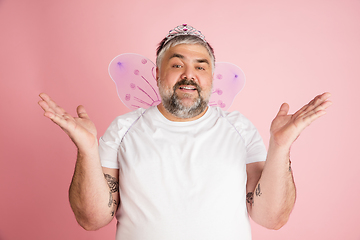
x: 189, y: 88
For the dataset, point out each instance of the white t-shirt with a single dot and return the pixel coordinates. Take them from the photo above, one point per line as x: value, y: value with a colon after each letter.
x: 182, y: 180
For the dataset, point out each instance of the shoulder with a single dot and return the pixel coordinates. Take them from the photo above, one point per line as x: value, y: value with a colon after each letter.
x: 235, y: 118
x: 121, y: 124
x: 127, y: 119
x: 256, y: 150
x: 240, y: 123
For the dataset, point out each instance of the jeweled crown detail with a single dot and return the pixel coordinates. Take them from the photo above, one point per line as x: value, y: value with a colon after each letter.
x: 184, y: 29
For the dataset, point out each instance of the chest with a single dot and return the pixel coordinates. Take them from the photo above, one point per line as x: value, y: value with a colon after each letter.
x: 190, y: 152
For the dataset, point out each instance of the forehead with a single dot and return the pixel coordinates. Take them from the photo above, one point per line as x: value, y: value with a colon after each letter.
x: 188, y: 51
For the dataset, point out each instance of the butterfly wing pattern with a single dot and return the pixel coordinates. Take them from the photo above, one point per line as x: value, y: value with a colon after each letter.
x: 134, y: 76
x: 228, y: 81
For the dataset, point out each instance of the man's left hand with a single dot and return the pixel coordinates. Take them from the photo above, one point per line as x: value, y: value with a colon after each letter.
x: 286, y: 128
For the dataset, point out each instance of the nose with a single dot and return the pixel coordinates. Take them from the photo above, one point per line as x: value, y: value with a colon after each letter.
x: 188, y: 73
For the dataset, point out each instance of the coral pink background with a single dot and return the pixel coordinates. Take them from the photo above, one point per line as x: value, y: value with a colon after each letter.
x: 289, y: 50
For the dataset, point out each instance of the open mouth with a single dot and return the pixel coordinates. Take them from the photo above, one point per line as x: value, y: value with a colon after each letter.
x: 188, y: 88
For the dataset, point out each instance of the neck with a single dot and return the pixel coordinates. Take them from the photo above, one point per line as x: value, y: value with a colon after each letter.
x: 173, y: 118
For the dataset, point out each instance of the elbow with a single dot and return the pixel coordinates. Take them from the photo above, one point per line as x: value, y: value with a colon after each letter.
x: 90, y: 220
x: 271, y: 220
x: 278, y: 225
x: 277, y: 222
x: 272, y: 223
x: 89, y: 225
x: 277, y: 219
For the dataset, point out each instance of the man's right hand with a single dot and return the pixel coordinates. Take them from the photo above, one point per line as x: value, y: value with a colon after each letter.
x: 81, y: 129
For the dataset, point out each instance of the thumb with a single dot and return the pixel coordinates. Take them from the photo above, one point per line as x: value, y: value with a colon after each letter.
x: 284, y: 109
x: 81, y: 112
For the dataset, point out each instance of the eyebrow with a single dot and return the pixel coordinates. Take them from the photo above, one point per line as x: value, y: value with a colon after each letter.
x: 203, y: 61
x: 177, y: 55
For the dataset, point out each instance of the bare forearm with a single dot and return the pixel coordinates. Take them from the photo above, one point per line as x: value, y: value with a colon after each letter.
x: 89, y: 192
x: 274, y: 195
x: 275, y: 191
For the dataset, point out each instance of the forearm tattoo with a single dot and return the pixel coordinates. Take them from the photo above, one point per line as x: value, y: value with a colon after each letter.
x: 289, y: 165
x: 250, y: 198
x: 112, y: 182
x: 258, y: 191
x: 250, y: 195
x: 110, y: 199
x: 113, y: 188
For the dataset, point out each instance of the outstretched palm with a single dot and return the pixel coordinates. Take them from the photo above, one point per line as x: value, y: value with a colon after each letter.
x: 81, y: 129
x: 285, y: 128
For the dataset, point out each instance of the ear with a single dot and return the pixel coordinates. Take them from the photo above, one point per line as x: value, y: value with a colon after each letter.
x: 157, y: 76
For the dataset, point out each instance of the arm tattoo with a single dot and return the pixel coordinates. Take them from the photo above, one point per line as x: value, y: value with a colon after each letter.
x: 110, y: 200
x: 113, y: 188
x: 250, y: 198
x: 112, y: 182
x: 289, y: 165
x: 257, y: 191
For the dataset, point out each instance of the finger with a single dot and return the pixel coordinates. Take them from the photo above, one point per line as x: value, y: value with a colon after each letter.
x: 312, y: 117
x: 48, y: 112
x: 52, y: 105
x: 312, y: 105
x: 81, y: 112
x: 284, y: 109
x: 318, y: 100
x: 322, y: 107
x: 44, y: 96
x: 325, y: 95
x: 300, y: 111
x: 43, y: 105
x: 305, y: 109
x: 59, y: 119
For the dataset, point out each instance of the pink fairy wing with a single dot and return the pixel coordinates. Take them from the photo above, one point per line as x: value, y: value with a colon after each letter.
x: 134, y: 76
x: 228, y: 81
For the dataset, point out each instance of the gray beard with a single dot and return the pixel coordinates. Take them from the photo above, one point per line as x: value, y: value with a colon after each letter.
x: 172, y: 103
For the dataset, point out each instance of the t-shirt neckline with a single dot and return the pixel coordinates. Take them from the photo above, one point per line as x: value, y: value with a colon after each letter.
x: 167, y: 121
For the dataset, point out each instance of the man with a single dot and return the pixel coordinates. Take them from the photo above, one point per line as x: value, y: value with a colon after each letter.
x: 182, y: 169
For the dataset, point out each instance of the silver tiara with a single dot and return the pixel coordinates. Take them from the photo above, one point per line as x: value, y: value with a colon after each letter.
x: 184, y: 29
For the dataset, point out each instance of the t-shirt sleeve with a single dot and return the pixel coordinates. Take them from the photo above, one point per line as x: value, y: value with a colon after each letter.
x: 255, y: 148
x: 256, y: 151
x: 109, y: 144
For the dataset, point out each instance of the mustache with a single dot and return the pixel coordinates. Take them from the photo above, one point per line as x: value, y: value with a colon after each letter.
x: 186, y: 81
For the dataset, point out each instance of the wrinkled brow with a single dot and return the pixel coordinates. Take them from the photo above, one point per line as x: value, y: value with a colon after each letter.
x: 202, y: 61
x: 177, y: 55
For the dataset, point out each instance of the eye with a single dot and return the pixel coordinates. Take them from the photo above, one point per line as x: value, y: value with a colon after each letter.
x: 176, y: 66
x: 200, y: 68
